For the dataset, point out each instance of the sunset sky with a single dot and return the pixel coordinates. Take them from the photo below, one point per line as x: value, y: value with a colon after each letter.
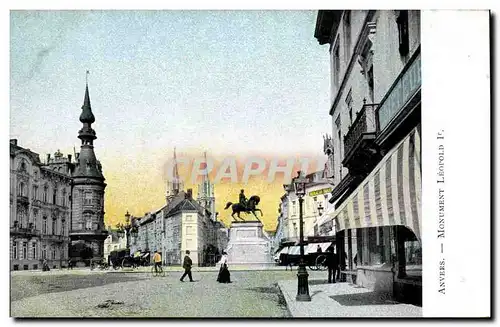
x: 231, y: 83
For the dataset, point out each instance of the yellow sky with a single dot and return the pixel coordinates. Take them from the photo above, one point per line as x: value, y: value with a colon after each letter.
x: 139, y: 186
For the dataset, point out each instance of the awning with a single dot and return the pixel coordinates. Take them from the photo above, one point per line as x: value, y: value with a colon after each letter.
x: 391, y: 194
x: 313, y: 247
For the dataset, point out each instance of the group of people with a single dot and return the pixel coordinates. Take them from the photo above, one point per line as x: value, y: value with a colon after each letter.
x: 223, y: 277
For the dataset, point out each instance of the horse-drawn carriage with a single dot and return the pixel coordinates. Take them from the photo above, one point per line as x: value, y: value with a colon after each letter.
x: 314, y: 255
x: 122, y: 259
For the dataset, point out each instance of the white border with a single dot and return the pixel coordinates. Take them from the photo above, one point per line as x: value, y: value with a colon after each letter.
x: 456, y: 98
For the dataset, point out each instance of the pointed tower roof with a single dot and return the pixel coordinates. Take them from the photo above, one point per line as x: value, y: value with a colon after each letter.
x: 87, y: 116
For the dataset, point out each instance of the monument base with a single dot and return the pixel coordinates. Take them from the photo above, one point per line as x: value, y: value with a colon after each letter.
x: 248, y: 246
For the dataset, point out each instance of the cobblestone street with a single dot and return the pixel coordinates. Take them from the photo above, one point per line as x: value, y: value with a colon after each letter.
x: 116, y: 294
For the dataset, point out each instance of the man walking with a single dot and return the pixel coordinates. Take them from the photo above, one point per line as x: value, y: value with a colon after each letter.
x: 187, y: 267
x: 331, y: 263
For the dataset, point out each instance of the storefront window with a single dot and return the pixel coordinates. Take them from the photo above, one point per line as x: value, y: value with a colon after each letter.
x: 373, y: 246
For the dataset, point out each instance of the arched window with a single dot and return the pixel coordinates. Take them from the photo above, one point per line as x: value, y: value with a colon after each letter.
x: 45, y: 193
x: 54, y: 196
x: 63, y: 198
x: 63, y: 227
x: 87, y: 217
x: 22, y: 166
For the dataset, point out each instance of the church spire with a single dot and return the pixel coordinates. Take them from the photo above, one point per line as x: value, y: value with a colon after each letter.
x: 87, y: 116
x: 87, y: 164
x: 176, y: 181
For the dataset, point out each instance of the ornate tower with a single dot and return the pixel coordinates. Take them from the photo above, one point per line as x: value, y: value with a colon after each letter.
x: 206, y: 193
x: 175, y: 185
x: 87, y: 212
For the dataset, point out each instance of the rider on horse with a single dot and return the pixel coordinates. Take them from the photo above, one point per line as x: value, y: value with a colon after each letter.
x: 243, y: 199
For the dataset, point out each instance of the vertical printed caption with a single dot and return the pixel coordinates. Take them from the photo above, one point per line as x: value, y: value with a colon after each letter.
x: 441, y: 211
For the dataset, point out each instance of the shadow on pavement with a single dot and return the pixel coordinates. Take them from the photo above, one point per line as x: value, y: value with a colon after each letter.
x: 366, y: 298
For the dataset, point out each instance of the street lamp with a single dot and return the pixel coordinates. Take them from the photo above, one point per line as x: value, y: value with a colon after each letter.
x: 303, y: 284
x: 320, y: 209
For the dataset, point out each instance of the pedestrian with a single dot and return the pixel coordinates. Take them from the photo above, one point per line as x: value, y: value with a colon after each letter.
x: 224, y: 275
x: 70, y: 264
x: 319, y: 250
x: 331, y: 263
x: 157, y: 260
x: 187, y: 264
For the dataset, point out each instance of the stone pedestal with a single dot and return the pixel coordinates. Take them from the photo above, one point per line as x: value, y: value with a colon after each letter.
x: 248, y: 246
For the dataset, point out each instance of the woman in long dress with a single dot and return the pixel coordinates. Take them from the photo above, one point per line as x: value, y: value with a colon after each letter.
x: 224, y: 275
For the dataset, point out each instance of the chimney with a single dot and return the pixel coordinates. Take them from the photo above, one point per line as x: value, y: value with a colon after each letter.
x: 48, y: 157
x: 13, y: 141
x: 69, y: 157
x: 189, y: 194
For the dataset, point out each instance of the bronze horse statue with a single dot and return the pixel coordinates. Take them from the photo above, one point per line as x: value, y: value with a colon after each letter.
x: 253, y: 201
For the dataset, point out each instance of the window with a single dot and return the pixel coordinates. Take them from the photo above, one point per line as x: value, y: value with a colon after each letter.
x: 54, y: 226
x: 35, y: 267
x: 26, y: 267
x: 295, y: 229
x: 44, y: 225
x: 402, y: 21
x: 63, y: 198
x: 14, y: 250
x: 336, y: 67
x: 34, y: 196
x: 348, y: 102
x: 88, y: 198
x: 54, y: 254
x: 33, y: 250
x: 25, y: 250
x: 44, y: 252
x: 20, y: 190
x: 347, y: 35
x: 45, y: 193
x: 88, y: 221
x: 54, y: 196
x: 63, y: 227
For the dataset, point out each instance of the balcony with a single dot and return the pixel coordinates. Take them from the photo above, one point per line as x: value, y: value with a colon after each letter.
x: 54, y: 238
x: 24, y: 232
x: 401, y: 100
x: 359, y: 147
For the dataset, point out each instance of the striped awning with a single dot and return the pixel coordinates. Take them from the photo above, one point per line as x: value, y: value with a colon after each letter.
x: 391, y: 194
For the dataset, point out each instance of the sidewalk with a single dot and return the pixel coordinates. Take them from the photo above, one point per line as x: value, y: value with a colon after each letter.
x: 343, y: 300
x: 86, y: 270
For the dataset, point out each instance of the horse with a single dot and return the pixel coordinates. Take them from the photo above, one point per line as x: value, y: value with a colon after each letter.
x: 253, y: 201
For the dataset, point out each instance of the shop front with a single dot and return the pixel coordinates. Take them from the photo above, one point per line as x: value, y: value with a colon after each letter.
x: 378, y: 226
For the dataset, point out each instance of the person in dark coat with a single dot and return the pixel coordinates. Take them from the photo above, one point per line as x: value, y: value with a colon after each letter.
x: 332, y: 264
x: 224, y: 275
x: 187, y: 264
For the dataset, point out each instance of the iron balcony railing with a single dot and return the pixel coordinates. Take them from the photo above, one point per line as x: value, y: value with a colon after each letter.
x: 365, y: 126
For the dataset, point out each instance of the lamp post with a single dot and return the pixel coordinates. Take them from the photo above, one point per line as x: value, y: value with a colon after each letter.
x: 302, y: 275
x: 320, y: 209
x: 127, y: 228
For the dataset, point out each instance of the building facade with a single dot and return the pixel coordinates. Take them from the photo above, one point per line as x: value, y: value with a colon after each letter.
x: 39, y: 209
x: 375, y: 145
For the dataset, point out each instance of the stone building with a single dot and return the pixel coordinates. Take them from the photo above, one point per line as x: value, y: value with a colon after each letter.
x: 376, y: 115
x: 39, y: 208
x: 115, y: 241
x: 87, y: 207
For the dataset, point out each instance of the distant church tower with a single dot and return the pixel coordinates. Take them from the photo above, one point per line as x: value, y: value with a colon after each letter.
x: 206, y: 193
x: 87, y: 212
x: 175, y: 185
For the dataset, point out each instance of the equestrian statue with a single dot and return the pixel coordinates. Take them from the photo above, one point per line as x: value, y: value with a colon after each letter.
x: 245, y: 206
